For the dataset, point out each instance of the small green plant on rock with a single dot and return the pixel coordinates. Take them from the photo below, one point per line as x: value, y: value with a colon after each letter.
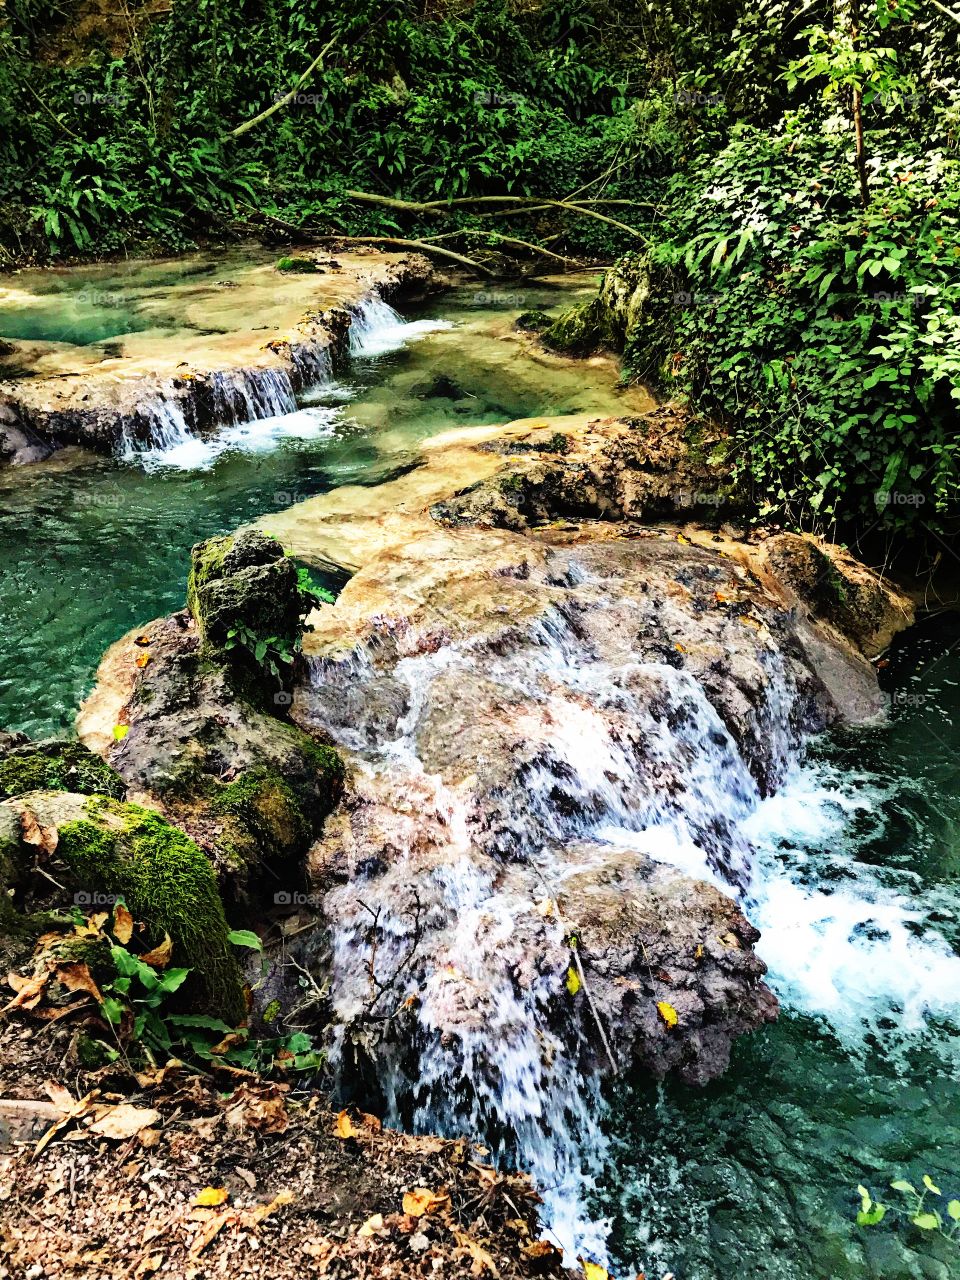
x: 916, y: 1208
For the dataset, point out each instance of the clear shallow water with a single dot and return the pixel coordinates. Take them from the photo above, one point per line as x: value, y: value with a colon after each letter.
x: 90, y: 547
x: 857, y: 890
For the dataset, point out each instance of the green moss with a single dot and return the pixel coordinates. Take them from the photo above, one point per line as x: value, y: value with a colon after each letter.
x: 531, y: 321
x: 268, y: 808
x: 167, y: 883
x: 305, y: 266
x: 577, y: 331
x: 206, y: 563
x: 57, y: 766
x: 327, y: 767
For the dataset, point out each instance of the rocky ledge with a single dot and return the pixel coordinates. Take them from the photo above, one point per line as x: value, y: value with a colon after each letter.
x: 552, y: 717
x: 201, y: 379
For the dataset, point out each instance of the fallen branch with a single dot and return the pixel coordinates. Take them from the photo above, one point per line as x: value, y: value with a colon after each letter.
x: 439, y: 207
x: 421, y: 246
x: 288, y: 97
x: 511, y: 241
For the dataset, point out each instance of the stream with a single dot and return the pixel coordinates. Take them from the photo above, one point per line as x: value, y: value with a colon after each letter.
x: 855, y: 862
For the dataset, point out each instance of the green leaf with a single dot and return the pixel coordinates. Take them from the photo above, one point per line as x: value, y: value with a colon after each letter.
x: 900, y: 1185
x: 929, y: 1184
x: 245, y: 938
x: 926, y: 1221
x: 953, y: 1209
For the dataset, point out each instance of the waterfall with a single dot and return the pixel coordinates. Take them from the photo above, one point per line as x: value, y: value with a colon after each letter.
x: 376, y: 328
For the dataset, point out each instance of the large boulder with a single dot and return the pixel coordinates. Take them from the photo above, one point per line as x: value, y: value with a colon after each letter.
x: 101, y: 849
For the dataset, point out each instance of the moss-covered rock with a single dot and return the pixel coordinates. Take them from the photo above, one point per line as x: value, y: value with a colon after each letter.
x: 298, y: 266
x: 104, y: 846
x: 245, y: 585
x: 56, y: 766
x: 577, y: 331
x: 533, y: 321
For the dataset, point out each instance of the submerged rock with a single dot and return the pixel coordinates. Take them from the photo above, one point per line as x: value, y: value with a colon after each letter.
x: 103, y: 848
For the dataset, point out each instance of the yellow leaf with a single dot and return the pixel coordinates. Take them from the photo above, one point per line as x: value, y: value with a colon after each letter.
x: 679, y: 648
x: 161, y: 955
x: 143, y: 659
x: 573, y: 981
x: 211, y: 1197
x: 120, y: 731
x: 371, y: 1225
x: 422, y: 1200
x: 686, y: 543
x: 594, y: 1271
x: 668, y: 1013
x: 122, y: 924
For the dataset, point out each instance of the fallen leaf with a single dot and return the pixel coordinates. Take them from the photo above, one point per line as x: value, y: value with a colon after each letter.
x: 730, y: 940
x: 679, y: 648
x: 143, y: 659
x: 261, y: 1211
x: 211, y: 1197
x: 260, y: 1107
x: 481, y: 1259
x: 123, y: 1121
x: 75, y: 976
x: 147, y: 1267
x: 122, y: 924
x: 594, y: 1271
x: 59, y: 1096
x: 120, y: 731
x: 422, y: 1201
x: 573, y: 981
x: 45, y: 838
x: 142, y: 640
x: 371, y: 1226
x: 211, y: 1231
x: 29, y: 991
x: 161, y: 955
x: 668, y: 1013
x: 346, y: 1127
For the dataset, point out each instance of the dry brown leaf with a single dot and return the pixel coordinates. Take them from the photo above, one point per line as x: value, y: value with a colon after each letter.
x: 31, y: 832
x: 124, y: 1121
x: 29, y: 991
x: 211, y: 1197
x: 482, y: 1262
x: 122, y: 924
x: 259, y: 1107
x: 75, y: 976
x: 422, y: 1201
x: 360, y: 1125
x: 261, y: 1211
x: 149, y: 1265
x: 77, y: 1109
x: 211, y: 1231
x: 59, y: 1096
x: 161, y: 955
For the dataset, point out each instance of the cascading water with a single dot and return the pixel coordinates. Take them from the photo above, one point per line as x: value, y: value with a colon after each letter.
x: 251, y: 409
x: 494, y: 771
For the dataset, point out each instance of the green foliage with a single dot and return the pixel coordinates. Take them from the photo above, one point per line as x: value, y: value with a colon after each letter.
x: 824, y: 334
x: 941, y: 1218
x: 147, y: 1024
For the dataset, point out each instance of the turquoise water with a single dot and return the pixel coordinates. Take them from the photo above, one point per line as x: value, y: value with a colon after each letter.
x: 90, y: 547
x: 858, y: 1082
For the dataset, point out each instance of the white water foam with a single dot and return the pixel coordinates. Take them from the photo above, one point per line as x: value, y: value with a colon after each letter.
x: 840, y: 943
x: 257, y: 408
x: 377, y: 328
x: 196, y: 453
